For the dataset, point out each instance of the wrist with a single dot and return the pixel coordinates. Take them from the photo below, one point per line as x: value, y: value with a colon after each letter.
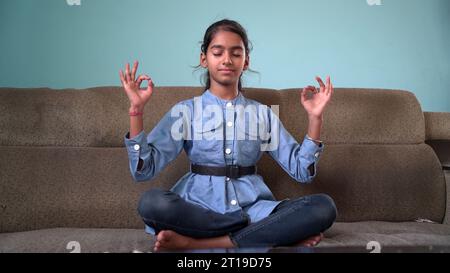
x: 135, y: 111
x: 315, y: 117
x: 317, y: 141
x: 136, y: 108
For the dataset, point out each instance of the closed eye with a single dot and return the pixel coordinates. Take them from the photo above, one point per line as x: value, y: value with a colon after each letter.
x: 235, y: 55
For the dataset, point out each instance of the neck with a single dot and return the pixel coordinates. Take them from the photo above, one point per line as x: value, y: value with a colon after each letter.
x: 224, y: 92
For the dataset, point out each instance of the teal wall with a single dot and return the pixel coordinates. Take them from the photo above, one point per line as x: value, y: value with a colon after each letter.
x: 400, y: 44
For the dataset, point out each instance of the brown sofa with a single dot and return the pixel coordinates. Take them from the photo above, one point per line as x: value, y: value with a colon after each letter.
x: 65, y: 184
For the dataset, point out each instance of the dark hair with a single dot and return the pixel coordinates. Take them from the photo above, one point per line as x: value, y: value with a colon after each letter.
x: 212, y: 30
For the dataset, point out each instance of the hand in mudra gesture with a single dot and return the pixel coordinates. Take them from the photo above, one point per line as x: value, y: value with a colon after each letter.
x: 315, y: 105
x: 138, y: 97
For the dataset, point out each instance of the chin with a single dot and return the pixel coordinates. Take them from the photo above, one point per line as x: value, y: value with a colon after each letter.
x: 226, y: 82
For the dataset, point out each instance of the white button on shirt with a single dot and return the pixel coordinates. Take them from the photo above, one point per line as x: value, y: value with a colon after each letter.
x: 233, y: 202
x: 229, y: 104
x: 136, y: 147
x: 317, y: 155
x: 228, y: 179
x: 228, y: 151
x: 229, y: 123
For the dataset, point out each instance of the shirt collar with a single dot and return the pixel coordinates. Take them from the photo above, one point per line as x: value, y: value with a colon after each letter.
x: 210, y: 97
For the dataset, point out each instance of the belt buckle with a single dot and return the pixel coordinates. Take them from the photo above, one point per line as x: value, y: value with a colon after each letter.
x: 232, y: 171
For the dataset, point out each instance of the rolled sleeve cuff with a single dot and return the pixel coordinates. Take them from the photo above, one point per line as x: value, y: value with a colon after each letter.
x: 310, y: 153
x: 311, y: 150
x: 137, y: 148
x: 135, y: 144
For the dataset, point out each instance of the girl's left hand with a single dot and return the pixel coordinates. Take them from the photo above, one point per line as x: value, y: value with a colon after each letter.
x: 316, y: 104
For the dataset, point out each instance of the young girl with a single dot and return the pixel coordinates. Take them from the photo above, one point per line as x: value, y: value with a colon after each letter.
x: 222, y: 202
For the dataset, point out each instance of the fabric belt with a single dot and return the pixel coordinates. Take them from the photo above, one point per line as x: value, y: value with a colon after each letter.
x: 231, y: 171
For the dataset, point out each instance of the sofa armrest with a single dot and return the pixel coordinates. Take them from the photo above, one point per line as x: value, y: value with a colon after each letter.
x: 437, y: 126
x: 437, y: 135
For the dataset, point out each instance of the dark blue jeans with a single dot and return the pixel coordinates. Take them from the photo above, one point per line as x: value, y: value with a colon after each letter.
x: 290, y: 222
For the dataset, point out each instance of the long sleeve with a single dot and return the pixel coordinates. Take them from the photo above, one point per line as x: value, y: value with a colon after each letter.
x: 155, y: 151
x: 299, y: 161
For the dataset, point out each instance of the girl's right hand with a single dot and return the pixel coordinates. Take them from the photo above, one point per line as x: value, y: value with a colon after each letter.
x: 138, y: 97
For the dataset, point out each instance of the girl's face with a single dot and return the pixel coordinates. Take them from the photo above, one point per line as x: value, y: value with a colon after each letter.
x: 225, y: 59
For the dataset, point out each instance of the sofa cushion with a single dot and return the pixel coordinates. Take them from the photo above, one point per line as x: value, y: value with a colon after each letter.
x: 360, y: 116
x: 46, y: 187
x: 376, y: 182
x: 387, y: 234
x: 353, y: 235
x: 72, y: 240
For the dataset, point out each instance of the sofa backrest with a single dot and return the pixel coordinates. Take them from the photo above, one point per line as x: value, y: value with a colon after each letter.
x: 63, y: 161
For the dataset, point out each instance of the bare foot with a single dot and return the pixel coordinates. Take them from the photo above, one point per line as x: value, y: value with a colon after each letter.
x: 311, y: 241
x: 168, y: 239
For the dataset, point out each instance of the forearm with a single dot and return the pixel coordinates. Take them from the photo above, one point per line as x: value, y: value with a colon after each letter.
x: 314, y: 127
x: 136, y: 122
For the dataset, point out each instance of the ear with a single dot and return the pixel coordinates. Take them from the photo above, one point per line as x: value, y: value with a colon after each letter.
x: 203, y: 61
x: 247, y: 62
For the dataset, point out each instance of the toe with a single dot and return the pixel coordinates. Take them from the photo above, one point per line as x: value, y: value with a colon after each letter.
x: 165, y: 235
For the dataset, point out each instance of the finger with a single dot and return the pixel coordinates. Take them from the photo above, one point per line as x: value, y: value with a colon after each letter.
x: 322, y: 85
x: 310, y: 88
x: 331, y: 89
x: 328, y: 86
x: 327, y: 89
x: 133, y: 71
x: 142, y: 78
x: 127, y: 72
x: 122, y: 79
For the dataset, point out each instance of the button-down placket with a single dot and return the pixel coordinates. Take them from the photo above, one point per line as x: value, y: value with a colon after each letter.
x: 229, y: 132
x: 229, y: 115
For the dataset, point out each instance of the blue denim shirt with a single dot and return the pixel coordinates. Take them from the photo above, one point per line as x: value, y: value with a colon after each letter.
x: 212, y: 138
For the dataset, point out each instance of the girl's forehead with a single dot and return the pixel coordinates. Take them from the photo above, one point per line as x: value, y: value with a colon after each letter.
x: 226, y: 39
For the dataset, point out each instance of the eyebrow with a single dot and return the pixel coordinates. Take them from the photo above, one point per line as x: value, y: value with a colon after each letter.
x: 222, y: 47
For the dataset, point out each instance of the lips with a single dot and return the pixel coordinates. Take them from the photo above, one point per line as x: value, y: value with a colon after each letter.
x: 226, y: 70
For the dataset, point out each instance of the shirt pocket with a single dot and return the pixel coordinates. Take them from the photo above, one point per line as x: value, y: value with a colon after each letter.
x: 250, y: 147
x: 209, y: 139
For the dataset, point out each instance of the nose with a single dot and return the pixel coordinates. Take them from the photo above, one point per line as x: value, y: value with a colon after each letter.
x: 227, y: 59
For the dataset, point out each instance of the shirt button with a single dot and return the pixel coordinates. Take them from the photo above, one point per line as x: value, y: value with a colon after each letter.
x: 227, y: 179
x: 317, y: 155
x: 229, y: 104
x: 228, y: 151
x: 229, y: 123
x: 136, y: 147
x: 233, y: 202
